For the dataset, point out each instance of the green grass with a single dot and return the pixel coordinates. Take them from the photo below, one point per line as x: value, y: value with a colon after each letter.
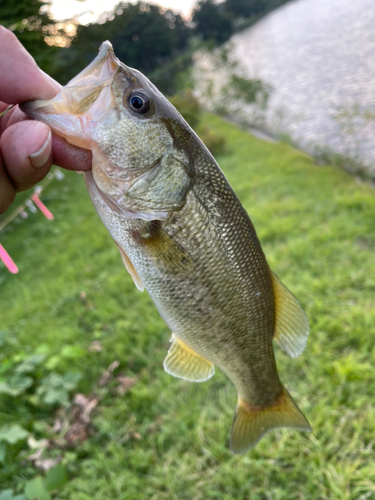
x: 166, y: 438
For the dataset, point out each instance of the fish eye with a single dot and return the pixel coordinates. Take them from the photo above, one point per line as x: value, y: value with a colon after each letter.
x: 139, y: 103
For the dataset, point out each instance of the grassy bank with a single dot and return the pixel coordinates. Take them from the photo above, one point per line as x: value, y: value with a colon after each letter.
x: 150, y: 435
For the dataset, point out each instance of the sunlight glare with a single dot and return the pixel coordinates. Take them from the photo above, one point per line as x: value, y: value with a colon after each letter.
x: 89, y: 11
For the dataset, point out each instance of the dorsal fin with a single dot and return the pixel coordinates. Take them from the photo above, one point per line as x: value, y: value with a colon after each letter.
x: 183, y: 362
x: 130, y: 268
x: 291, y: 325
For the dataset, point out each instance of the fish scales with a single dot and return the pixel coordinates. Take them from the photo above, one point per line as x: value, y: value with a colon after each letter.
x: 194, y: 305
x: 184, y: 236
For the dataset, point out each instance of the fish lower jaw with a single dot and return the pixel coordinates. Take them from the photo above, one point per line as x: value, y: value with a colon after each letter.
x: 74, y: 141
x: 73, y: 131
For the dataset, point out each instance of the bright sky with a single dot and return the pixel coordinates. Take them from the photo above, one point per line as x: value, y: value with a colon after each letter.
x: 89, y: 10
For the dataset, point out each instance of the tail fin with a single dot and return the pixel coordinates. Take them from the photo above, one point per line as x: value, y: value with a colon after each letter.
x: 252, y: 423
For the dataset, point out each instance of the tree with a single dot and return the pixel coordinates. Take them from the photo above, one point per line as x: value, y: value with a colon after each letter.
x: 29, y: 23
x: 210, y: 22
x: 143, y: 36
x: 247, y: 8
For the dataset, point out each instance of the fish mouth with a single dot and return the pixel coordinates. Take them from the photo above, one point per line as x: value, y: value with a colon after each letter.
x: 85, y: 99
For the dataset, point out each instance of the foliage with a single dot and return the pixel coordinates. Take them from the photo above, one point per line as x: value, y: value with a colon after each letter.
x: 210, y: 22
x: 223, y: 85
x: 74, y: 303
x: 175, y: 75
x: 351, y: 161
x: 238, y: 95
x: 29, y: 20
x: 241, y: 8
x: 31, y: 379
x: 247, y: 90
x: 216, y: 22
x: 146, y: 37
x: 214, y: 141
x: 143, y: 36
x: 189, y: 107
x: 248, y: 8
x: 8, y: 495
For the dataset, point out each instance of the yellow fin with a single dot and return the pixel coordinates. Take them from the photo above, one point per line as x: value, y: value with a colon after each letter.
x: 130, y: 268
x: 251, y: 423
x: 183, y: 362
x: 292, y: 325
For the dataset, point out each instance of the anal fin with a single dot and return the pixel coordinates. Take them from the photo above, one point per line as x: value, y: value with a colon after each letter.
x: 291, y: 324
x: 183, y: 362
x: 252, y: 423
x: 130, y: 268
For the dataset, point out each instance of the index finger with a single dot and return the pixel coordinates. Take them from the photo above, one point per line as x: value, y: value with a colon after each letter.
x: 15, y: 64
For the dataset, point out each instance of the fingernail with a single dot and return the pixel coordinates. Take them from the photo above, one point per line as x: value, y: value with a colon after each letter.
x: 40, y: 158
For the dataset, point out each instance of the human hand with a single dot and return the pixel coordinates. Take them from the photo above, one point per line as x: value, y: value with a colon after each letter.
x: 27, y: 147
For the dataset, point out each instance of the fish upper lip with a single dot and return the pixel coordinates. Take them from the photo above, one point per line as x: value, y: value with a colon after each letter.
x: 98, y: 74
x: 67, y: 112
x: 105, y: 49
x: 105, y: 54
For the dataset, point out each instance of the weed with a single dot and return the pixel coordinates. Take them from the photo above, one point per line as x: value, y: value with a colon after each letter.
x: 154, y: 436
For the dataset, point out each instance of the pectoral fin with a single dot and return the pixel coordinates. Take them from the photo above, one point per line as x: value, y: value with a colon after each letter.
x: 291, y: 326
x: 183, y: 362
x: 130, y: 268
x: 168, y: 255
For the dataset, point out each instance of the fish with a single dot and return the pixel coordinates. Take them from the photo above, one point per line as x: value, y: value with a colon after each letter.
x: 184, y: 237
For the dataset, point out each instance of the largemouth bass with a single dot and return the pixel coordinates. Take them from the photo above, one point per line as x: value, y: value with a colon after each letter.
x: 185, y: 237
